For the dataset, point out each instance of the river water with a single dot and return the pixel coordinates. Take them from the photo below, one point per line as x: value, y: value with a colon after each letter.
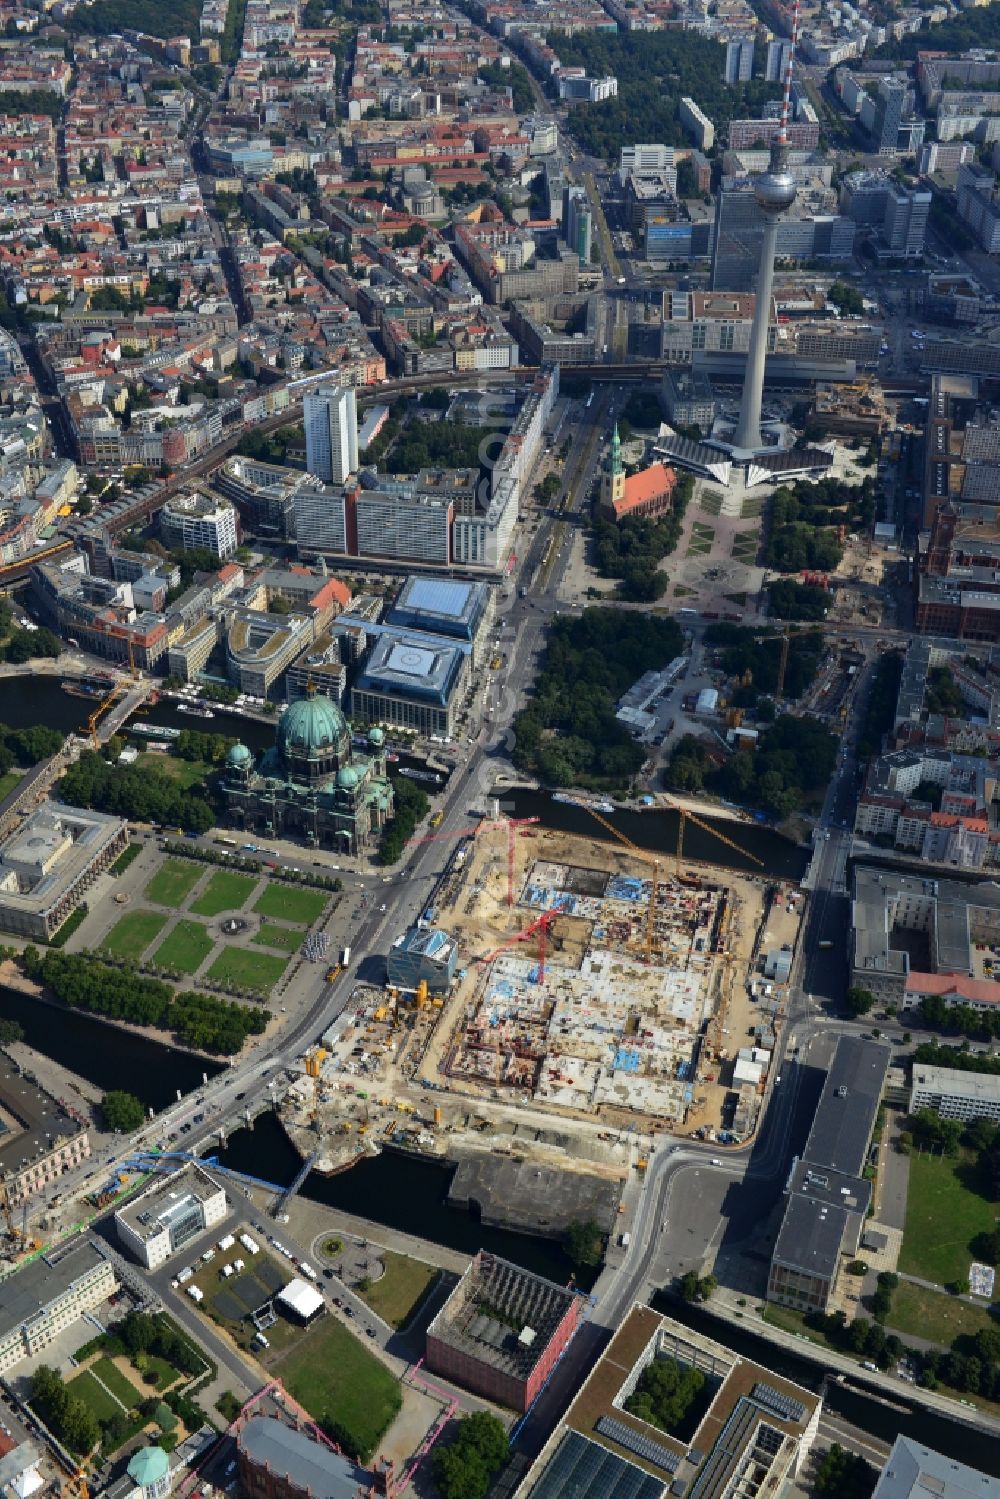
x: 656, y: 830
x: 105, y: 1055
x: 400, y: 1191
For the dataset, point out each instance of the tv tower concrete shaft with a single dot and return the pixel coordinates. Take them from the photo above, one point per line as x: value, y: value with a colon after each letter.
x: 748, y: 436
x: 775, y: 194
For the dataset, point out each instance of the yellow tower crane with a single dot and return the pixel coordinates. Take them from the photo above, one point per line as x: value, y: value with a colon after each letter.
x: 100, y: 710
x: 684, y: 815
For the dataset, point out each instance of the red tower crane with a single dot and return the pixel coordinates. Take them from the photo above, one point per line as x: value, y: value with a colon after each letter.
x: 542, y: 925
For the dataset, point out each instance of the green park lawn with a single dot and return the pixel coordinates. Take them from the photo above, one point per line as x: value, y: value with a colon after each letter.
x: 186, y: 773
x: 173, y: 882
x: 118, y: 1383
x: 284, y: 938
x: 398, y: 1293
x: 8, y: 781
x: 185, y: 948
x: 248, y: 968
x: 168, y: 1375
x: 130, y: 936
x: 291, y: 903
x: 920, y: 1313
x: 336, y: 1378
x: 95, y: 1398
x: 225, y: 891
x: 944, y: 1211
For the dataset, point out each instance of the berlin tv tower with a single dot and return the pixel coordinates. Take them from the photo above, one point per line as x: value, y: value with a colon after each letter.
x: 775, y: 194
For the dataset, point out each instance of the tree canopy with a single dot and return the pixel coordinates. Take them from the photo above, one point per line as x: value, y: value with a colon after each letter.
x: 794, y: 758
x: 122, y: 1112
x: 844, y: 1475
x: 142, y: 794
x: 668, y: 1395
x: 802, y: 601
x: 466, y: 1468
x: 655, y: 70
x: 215, y: 1025
x: 568, y: 733
x: 584, y: 1242
x: 64, y: 1413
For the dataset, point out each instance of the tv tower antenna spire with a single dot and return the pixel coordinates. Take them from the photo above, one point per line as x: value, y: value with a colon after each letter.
x: 775, y: 194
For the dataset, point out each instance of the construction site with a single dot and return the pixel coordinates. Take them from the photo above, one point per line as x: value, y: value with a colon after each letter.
x: 603, y: 994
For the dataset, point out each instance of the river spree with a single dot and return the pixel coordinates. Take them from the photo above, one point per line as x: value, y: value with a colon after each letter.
x: 104, y: 1054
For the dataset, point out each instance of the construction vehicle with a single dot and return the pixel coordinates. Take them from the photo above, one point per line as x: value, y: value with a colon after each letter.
x: 333, y: 973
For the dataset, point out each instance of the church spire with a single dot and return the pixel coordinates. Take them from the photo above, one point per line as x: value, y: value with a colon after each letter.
x: 617, y: 466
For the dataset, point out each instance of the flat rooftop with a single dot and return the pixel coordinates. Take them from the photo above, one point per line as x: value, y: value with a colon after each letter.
x: 501, y: 1315
x: 441, y: 604
x: 404, y: 665
x: 52, y: 849
x: 811, y: 1236
x: 747, y: 1397
x: 313, y: 1467
x: 167, y: 1198
x: 41, y: 1281
x: 952, y: 1080
x: 915, y: 1472
x: 842, y: 1124
x: 31, y: 1121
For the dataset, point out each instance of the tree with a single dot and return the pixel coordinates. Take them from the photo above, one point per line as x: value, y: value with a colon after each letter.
x: 688, y: 1286
x: 666, y: 1393
x: 584, y: 1242
x: 122, y: 1112
x: 986, y: 1247
x: 844, y: 1475
x: 466, y: 1468
x: 859, y: 1001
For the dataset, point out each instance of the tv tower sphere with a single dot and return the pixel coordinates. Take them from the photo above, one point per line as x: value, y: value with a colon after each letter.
x: 775, y: 189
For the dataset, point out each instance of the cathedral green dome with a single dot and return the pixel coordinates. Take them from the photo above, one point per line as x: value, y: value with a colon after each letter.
x: 347, y: 777
x: 148, y: 1466
x: 312, y: 726
x: 376, y: 736
x: 239, y: 757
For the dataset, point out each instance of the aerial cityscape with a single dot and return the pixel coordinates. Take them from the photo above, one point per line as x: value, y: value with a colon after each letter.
x: 499, y: 749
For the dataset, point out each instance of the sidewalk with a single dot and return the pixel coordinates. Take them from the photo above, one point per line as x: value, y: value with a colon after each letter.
x: 724, y: 1305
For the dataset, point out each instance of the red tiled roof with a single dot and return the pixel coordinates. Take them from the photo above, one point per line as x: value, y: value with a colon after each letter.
x: 954, y: 986
x: 647, y: 485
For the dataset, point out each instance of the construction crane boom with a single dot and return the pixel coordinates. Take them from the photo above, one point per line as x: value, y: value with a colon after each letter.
x: 647, y: 858
x: 706, y: 827
x: 541, y: 925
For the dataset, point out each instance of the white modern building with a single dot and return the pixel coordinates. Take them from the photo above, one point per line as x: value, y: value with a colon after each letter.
x: 913, y: 1472
x: 955, y: 1094
x: 174, y: 1210
x: 645, y: 160
x: 199, y: 520
x: 330, y: 413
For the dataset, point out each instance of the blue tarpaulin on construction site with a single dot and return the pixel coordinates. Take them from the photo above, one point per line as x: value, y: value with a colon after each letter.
x: 683, y: 1070
x: 626, y: 1060
x: 622, y: 887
